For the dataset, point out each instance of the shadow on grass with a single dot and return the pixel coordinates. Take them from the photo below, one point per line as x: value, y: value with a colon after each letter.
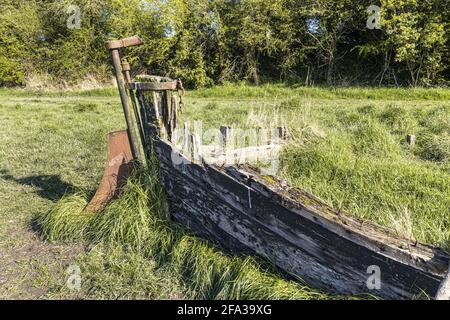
x: 49, y: 187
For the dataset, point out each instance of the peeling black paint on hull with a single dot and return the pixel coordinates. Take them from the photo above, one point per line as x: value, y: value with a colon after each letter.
x: 238, y: 209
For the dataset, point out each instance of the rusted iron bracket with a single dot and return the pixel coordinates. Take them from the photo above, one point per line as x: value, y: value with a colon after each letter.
x: 123, y: 145
x: 117, y: 168
x: 126, y: 70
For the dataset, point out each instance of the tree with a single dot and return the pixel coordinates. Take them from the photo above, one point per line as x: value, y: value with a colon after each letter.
x: 416, y: 31
x: 18, y: 40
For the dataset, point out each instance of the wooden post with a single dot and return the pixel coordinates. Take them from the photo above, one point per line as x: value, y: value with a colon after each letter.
x: 186, y: 141
x: 175, y: 137
x: 167, y: 105
x: 444, y: 289
x: 226, y: 143
x: 411, y: 139
x: 195, y: 146
x: 261, y: 137
x: 226, y: 133
x: 158, y: 105
x: 174, y: 119
x: 282, y: 132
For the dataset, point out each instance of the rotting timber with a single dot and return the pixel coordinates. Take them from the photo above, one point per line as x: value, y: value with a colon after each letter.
x: 243, y: 210
x: 215, y: 193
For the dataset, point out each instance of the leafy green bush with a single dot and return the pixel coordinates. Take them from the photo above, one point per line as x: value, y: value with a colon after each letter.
x: 19, y: 28
x: 205, y: 42
x: 11, y: 72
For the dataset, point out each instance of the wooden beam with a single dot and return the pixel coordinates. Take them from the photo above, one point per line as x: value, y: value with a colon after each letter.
x: 196, y: 147
x: 245, y: 211
x: 215, y: 155
x: 186, y: 141
x: 282, y: 132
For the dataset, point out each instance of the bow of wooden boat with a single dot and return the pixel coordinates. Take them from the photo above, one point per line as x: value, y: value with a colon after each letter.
x: 215, y: 194
x: 243, y: 210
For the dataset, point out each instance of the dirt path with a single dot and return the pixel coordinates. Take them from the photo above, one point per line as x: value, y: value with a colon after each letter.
x: 29, y: 267
x: 27, y: 264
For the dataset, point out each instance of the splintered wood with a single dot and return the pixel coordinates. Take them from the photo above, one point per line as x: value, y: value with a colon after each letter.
x: 160, y: 111
x: 225, y: 153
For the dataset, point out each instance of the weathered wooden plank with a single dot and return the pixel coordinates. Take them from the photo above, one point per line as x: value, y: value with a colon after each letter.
x: 215, y: 220
x: 215, y: 155
x: 302, y: 236
x: 282, y: 132
x: 367, y: 233
x: 186, y: 141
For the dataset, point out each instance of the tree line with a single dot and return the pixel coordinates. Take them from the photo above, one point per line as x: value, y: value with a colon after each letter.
x: 204, y: 42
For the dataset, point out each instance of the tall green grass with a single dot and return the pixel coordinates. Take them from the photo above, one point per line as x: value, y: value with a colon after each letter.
x: 138, y: 222
x: 354, y: 155
x: 283, y: 91
x: 361, y: 163
x: 55, y: 93
x: 270, y: 90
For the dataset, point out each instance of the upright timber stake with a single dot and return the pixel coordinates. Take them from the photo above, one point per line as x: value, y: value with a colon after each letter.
x: 114, y: 47
x: 282, y: 132
x: 126, y: 71
x: 411, y: 139
x: 226, y: 136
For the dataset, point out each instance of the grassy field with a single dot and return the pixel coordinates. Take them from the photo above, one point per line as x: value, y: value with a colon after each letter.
x: 347, y: 146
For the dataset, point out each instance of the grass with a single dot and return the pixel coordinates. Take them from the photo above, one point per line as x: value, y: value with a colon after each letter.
x: 283, y: 91
x: 50, y: 146
x: 363, y: 165
x: 346, y: 145
x: 353, y: 154
x: 137, y: 225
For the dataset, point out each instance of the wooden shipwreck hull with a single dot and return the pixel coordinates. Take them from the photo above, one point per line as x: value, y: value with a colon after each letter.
x: 296, y: 231
x: 243, y: 210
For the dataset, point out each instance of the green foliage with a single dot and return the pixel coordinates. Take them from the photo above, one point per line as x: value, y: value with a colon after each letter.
x: 11, y: 72
x: 19, y: 30
x: 416, y: 32
x: 206, y: 42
